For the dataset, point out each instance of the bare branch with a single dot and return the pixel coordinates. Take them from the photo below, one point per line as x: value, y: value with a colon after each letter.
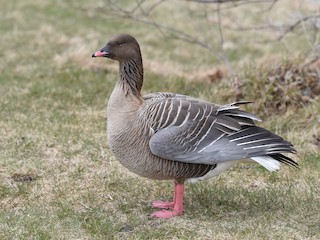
x: 220, y: 27
x: 313, y: 60
x: 215, y: 15
x: 177, y: 33
x: 292, y: 27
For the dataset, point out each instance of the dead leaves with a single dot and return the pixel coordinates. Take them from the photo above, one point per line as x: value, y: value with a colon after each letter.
x: 281, y: 86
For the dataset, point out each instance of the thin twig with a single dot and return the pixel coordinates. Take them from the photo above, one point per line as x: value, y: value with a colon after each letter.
x: 306, y: 65
x: 178, y: 33
x: 293, y: 26
x: 220, y: 27
x: 141, y: 13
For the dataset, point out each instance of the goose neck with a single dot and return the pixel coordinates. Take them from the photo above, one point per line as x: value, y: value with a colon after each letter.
x: 131, y: 77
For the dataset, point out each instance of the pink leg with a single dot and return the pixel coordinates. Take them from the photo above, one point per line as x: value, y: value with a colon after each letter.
x: 177, y: 203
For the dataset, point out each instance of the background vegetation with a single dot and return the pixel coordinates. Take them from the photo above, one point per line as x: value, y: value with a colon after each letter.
x: 58, y: 179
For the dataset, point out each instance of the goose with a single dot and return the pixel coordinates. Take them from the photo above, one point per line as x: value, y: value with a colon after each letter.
x: 170, y: 136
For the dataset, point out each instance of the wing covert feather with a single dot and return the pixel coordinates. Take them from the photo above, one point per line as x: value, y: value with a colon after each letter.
x: 194, y: 131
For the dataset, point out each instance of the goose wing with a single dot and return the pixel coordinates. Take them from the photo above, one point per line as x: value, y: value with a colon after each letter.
x: 189, y: 130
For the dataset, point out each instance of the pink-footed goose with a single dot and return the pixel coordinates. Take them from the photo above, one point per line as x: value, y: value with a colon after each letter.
x: 171, y: 136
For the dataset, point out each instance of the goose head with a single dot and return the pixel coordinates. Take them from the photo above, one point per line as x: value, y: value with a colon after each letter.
x: 122, y: 48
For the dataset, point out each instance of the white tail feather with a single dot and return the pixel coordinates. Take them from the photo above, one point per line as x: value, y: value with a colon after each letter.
x: 268, y: 162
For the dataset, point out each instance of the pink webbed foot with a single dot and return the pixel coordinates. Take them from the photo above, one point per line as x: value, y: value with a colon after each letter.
x: 162, y: 205
x: 177, y: 204
x: 166, y: 214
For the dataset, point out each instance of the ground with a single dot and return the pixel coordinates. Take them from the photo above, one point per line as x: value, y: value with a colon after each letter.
x: 58, y: 178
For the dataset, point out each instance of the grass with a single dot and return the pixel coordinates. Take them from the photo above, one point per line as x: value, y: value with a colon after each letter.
x: 58, y: 179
